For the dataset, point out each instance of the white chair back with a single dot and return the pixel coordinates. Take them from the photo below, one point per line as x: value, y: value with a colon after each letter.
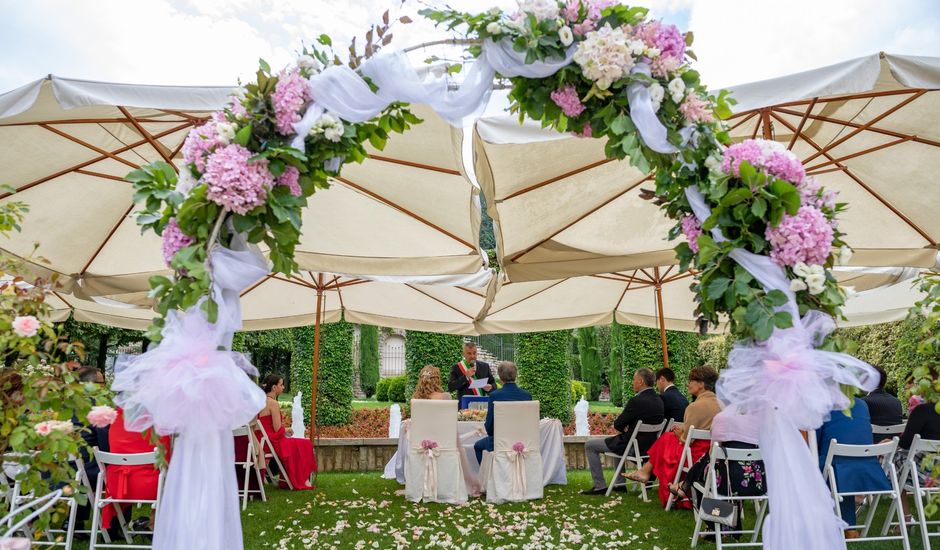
x: 136, y: 459
x: 248, y: 463
x: 510, y: 473
x: 434, y: 420
x: 685, y: 459
x: 40, y: 504
x: 896, y: 429
x: 434, y: 474
x: 513, y: 422
x: 100, y: 501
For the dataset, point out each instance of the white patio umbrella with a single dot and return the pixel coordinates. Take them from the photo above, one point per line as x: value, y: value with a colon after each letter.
x: 864, y: 127
x: 65, y: 145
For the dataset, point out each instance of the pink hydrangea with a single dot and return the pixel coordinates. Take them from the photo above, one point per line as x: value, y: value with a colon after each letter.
x: 200, y: 142
x: 290, y: 94
x: 25, y: 326
x: 747, y: 150
x: 663, y: 66
x: 567, y: 98
x: 785, y: 166
x: 694, y: 109
x: 101, y: 416
x: 595, y: 7
x: 174, y: 240
x: 585, y: 132
x: 812, y: 194
x: 691, y: 228
x: 768, y: 155
x: 233, y: 182
x: 291, y: 178
x: 805, y: 237
x: 236, y: 108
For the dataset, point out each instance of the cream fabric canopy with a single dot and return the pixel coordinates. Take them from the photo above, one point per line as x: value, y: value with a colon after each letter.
x: 65, y: 145
x: 448, y: 304
x: 865, y: 127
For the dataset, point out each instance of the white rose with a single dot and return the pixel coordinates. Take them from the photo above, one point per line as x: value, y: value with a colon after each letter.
x: 713, y: 163
x: 815, y: 282
x: 796, y: 285
x: 542, y: 9
x: 226, y: 131
x: 677, y: 89
x: 495, y: 10
x: 845, y: 255
x: 637, y: 47
x: 653, y: 52
x: 814, y: 290
x: 494, y: 28
x: 185, y: 182
x: 657, y: 93
x: 801, y: 269
x: 308, y: 62
x: 817, y: 269
x: 334, y: 133
x: 849, y: 292
x: 565, y: 35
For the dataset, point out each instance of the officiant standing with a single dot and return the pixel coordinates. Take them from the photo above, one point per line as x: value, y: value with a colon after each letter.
x: 468, y: 370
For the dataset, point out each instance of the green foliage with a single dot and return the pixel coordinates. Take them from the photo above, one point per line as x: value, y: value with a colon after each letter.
x: 642, y: 348
x: 544, y: 372
x: 615, y: 364
x: 271, y: 352
x: 368, y: 358
x: 926, y: 317
x: 590, y: 360
x: 714, y: 351
x: 397, y: 392
x: 97, y: 339
x: 381, y: 389
x: 578, y: 390
x: 334, y: 378
x: 574, y: 360
x: 429, y: 348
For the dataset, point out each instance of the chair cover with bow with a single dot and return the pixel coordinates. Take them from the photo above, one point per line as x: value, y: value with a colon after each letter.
x: 432, y: 465
x: 513, y: 471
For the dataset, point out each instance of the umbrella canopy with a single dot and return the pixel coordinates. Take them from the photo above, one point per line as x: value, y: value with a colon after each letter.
x: 450, y: 304
x: 864, y: 128
x: 65, y: 146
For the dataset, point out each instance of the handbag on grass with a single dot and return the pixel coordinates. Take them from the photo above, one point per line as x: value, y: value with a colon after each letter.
x: 720, y: 511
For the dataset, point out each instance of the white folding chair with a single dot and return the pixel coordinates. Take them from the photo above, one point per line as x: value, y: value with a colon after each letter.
x: 37, y: 505
x: 885, y: 453
x: 16, y: 463
x: 104, y: 460
x: 909, y: 482
x: 885, y: 432
x: 268, y: 453
x: 511, y: 475
x: 433, y: 472
x: 685, y: 459
x: 710, y: 490
x: 249, y: 463
x: 632, y: 455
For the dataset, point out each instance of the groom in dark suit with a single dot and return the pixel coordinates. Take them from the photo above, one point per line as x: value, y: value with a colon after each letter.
x: 470, y: 369
x: 509, y: 392
x: 674, y: 403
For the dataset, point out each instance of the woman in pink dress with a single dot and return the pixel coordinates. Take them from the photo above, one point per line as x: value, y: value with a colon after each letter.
x: 296, y: 454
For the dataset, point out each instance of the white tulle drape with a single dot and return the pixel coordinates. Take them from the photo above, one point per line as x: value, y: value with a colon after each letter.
x: 191, y: 386
x: 771, y: 391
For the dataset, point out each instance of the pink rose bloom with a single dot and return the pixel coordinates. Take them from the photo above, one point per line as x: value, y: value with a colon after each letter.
x: 805, y: 237
x: 695, y: 110
x: 428, y: 444
x: 25, y: 326
x: 691, y: 228
x: 567, y: 98
x: 291, y: 178
x: 201, y: 141
x: 43, y: 428
x: 518, y: 446
x: 289, y: 96
x: 174, y: 240
x: 101, y: 416
x: 233, y: 182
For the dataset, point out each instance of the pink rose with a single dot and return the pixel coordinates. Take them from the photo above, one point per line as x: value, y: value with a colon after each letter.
x: 101, y: 416
x: 25, y: 326
x: 519, y: 447
x: 43, y: 428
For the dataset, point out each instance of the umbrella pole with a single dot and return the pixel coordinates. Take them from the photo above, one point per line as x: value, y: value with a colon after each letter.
x: 662, y: 317
x: 316, y: 359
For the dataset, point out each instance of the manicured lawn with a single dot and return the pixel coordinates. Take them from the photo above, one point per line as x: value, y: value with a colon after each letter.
x: 370, y: 404
x: 604, y: 407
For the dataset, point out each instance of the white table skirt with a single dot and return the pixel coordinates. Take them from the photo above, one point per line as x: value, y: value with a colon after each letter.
x: 551, y: 441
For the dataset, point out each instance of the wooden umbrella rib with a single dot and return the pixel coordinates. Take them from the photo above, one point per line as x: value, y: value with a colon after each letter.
x: 106, y: 239
x: 622, y: 294
x: 91, y: 121
x: 294, y: 281
x: 875, y: 129
x: 517, y: 302
x: 256, y: 285
x: 449, y: 171
x: 848, y: 97
x: 187, y: 116
x: 839, y: 160
x: 158, y: 147
x: 865, y: 186
x: 438, y: 300
x: 803, y: 119
x: 405, y: 211
x: 749, y: 116
x: 619, y: 194
x: 560, y: 177
x: 861, y: 128
x: 59, y: 296
x: 100, y: 175
x: 98, y: 150
x: 91, y: 161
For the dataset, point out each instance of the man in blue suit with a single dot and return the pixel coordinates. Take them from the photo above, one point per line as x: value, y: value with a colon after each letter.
x: 509, y: 392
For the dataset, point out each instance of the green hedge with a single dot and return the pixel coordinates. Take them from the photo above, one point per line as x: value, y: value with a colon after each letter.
x: 615, y: 364
x: 590, y: 360
x: 428, y: 348
x: 574, y: 361
x: 544, y: 371
x: 368, y: 359
x: 396, y: 389
x: 271, y: 351
x: 381, y: 389
x: 642, y: 348
x: 334, y: 384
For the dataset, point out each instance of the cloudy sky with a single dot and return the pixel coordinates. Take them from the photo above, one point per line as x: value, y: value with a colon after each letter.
x: 214, y: 42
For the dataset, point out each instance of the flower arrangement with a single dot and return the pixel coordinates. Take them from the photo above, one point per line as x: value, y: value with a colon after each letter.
x: 428, y: 444
x: 471, y: 415
x: 243, y: 173
x: 518, y: 447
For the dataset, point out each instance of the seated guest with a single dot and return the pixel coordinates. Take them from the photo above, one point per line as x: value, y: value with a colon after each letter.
x: 853, y: 474
x: 429, y: 384
x: 666, y: 453
x: 884, y: 408
x: 295, y: 454
x: 922, y: 420
x: 645, y: 406
x: 674, y: 403
x: 137, y: 482
x: 509, y: 392
x: 94, y: 437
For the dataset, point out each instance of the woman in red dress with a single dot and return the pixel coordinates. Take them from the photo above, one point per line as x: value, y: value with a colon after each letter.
x: 130, y: 482
x: 296, y: 454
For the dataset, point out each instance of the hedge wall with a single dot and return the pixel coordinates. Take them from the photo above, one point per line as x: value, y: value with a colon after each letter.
x: 615, y: 364
x: 590, y: 360
x: 334, y: 384
x: 368, y: 358
x: 642, y: 348
x: 574, y: 361
x: 271, y: 352
x: 429, y: 348
x: 544, y: 371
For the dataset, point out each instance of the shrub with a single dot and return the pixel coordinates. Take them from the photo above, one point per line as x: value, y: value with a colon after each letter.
x: 381, y: 389
x: 396, y: 389
x: 590, y: 360
x: 334, y: 383
x: 428, y: 348
x: 368, y: 359
x: 544, y: 371
x: 578, y: 391
x: 615, y: 364
x: 642, y: 347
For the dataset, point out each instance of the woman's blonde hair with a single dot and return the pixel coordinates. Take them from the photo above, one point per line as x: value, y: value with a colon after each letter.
x: 429, y: 383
